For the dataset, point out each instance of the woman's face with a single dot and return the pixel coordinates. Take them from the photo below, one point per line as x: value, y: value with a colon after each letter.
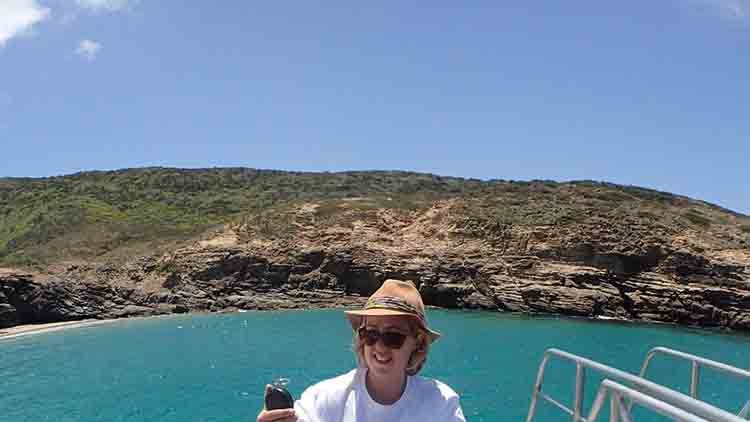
x: 383, y: 360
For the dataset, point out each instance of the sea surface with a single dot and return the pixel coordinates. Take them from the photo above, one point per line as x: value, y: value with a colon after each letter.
x: 208, y: 367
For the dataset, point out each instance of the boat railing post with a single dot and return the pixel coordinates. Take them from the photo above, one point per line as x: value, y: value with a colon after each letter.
x: 537, y: 388
x: 614, y: 409
x: 596, y: 407
x: 578, y: 399
x: 646, y: 362
x: 695, y: 379
x: 745, y: 410
x: 624, y: 411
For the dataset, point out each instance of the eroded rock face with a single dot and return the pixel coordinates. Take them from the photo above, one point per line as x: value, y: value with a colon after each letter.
x: 631, y: 270
x: 680, y: 288
x: 580, y: 248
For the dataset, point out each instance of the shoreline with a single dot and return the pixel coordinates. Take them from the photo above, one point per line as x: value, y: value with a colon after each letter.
x: 48, y: 327
x: 30, y: 329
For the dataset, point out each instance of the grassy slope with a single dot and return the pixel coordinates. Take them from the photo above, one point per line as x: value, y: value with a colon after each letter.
x: 118, y: 214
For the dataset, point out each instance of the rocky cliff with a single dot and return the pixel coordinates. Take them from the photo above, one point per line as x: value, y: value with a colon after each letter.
x: 618, y: 263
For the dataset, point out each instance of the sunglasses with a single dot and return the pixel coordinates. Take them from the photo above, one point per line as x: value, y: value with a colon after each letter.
x: 390, y: 339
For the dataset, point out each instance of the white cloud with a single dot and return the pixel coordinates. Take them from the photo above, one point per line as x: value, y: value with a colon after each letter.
x: 731, y: 10
x: 104, y: 5
x: 18, y: 16
x: 88, y: 49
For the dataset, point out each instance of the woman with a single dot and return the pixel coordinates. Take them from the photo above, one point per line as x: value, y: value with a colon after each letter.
x: 391, y: 341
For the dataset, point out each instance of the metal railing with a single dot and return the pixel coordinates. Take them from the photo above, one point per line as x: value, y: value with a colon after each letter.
x: 639, y: 384
x: 619, y: 412
x: 697, y: 362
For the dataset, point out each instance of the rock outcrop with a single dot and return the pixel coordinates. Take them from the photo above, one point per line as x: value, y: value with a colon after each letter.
x: 628, y: 269
x: 683, y: 289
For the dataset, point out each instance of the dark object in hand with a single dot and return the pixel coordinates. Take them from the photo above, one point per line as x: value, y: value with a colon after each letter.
x: 277, y: 397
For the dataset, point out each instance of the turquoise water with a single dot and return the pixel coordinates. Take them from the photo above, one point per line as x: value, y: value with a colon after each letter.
x: 213, y: 367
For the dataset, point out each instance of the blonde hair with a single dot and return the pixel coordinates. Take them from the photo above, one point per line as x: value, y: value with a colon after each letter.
x: 417, y: 358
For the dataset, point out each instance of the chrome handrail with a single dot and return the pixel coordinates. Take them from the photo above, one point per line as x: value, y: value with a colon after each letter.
x: 659, y: 392
x: 697, y: 362
x: 745, y: 410
x: 620, y: 413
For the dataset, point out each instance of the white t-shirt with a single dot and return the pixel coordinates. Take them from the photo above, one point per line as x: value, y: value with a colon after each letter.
x: 346, y: 399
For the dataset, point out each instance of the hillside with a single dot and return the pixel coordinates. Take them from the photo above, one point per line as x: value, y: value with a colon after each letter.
x: 106, y: 215
x: 95, y: 214
x: 157, y: 240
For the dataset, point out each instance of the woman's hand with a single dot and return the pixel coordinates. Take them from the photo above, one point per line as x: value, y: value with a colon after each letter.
x: 278, y: 415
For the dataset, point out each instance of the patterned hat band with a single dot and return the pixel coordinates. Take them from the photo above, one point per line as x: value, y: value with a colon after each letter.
x: 395, y: 303
x: 394, y: 297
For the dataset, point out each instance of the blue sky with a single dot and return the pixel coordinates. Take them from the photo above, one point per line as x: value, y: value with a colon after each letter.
x: 648, y: 93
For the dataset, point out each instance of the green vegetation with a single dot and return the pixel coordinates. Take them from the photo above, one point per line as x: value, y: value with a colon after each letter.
x: 94, y: 215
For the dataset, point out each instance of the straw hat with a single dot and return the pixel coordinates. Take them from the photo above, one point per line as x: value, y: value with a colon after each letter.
x: 394, y: 297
